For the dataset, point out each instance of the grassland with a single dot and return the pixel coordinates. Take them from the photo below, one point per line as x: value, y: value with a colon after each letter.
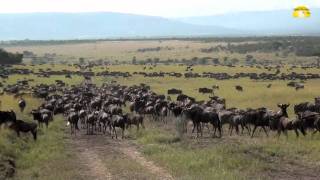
x: 231, y: 157
x: 126, y: 50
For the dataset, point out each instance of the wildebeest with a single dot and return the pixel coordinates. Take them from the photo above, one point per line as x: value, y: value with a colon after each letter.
x: 198, y: 115
x: 22, y: 104
x: 282, y: 123
x: 258, y: 118
x: 174, y: 91
x: 118, y: 121
x: 73, y: 119
x: 22, y: 126
x: 136, y: 120
x: 40, y: 117
x: 7, y: 116
x: 239, y: 88
x: 205, y: 90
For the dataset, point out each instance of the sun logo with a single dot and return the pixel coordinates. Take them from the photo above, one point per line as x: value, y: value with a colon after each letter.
x: 301, y: 12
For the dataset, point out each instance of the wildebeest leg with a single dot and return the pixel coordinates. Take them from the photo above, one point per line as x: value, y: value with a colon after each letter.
x: 254, y: 129
x: 230, y: 129
x: 194, y: 126
x: 34, y: 133
x: 248, y: 128
x: 237, y: 129
x: 115, y: 132
x: 18, y: 133
x: 279, y: 132
x: 138, y: 127
x: 47, y: 123
x: 285, y: 133
x: 264, y: 128
x: 296, y: 131
x: 302, y: 129
x: 314, y: 132
x: 122, y: 132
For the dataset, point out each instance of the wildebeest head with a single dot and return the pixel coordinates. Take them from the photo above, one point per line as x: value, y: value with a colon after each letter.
x: 283, y: 108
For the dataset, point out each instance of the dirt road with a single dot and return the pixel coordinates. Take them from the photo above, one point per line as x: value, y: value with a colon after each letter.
x: 104, y: 158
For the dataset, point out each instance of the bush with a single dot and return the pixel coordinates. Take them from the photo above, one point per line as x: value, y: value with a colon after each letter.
x: 10, y: 58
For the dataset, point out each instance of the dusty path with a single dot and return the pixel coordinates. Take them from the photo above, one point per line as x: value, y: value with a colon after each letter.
x: 106, y: 158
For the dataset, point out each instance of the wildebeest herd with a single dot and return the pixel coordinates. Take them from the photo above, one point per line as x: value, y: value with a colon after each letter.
x: 102, y: 110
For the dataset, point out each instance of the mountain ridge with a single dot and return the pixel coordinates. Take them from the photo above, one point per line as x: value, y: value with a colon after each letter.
x: 97, y: 25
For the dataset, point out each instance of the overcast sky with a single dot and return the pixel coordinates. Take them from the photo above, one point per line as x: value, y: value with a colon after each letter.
x: 165, y: 8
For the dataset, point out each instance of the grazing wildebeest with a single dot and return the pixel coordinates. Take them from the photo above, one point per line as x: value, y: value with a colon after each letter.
x: 205, y: 90
x: 174, y: 91
x: 21, y: 126
x: 136, y: 120
x: 239, y: 88
x: 7, y: 116
x: 118, y: 121
x: 22, y: 104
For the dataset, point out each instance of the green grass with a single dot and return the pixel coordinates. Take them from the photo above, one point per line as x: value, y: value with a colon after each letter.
x: 227, y: 158
x: 46, y: 158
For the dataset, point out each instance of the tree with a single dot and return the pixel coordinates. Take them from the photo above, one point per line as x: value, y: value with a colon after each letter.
x: 10, y: 58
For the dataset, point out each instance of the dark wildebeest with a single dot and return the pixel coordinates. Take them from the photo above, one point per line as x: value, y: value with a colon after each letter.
x: 7, y: 116
x: 136, y: 120
x: 118, y: 121
x: 91, y: 122
x: 239, y: 88
x: 82, y: 118
x: 309, y: 119
x: 235, y: 121
x: 22, y: 104
x: 258, y: 118
x: 21, y: 126
x: 104, y: 121
x: 41, y: 118
x: 73, y: 119
x: 205, y: 90
x: 199, y: 115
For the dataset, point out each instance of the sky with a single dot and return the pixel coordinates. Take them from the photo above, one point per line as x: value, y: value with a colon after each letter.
x: 164, y: 8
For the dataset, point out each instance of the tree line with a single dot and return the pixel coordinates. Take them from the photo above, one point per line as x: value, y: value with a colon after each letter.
x: 10, y: 58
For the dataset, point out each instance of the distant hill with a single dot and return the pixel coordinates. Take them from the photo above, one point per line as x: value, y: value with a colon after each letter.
x: 278, y: 22
x: 54, y: 26
x: 44, y: 26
